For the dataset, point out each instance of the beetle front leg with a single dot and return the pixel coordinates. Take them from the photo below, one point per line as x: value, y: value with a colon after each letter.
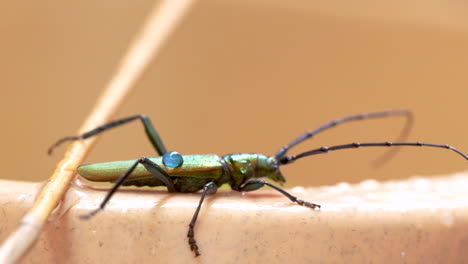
x: 209, y: 188
x: 255, y: 184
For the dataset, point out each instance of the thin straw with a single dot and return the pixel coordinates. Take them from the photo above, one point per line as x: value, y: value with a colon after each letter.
x: 160, y: 24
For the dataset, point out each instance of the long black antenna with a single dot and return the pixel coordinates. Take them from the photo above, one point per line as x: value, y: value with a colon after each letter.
x: 323, y: 150
x: 403, y: 135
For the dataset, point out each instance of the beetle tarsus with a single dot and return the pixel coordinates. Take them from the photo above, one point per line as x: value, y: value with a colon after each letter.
x: 310, y: 205
x: 192, y: 241
x: 60, y: 141
x: 90, y: 214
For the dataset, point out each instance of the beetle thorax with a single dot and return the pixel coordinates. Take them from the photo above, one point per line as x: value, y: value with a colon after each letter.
x: 245, y: 166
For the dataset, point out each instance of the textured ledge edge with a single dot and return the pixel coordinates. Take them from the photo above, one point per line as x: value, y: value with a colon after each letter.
x: 418, y: 220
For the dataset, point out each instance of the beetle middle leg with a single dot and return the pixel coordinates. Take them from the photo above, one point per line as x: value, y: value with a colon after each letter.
x: 155, y: 170
x: 209, y: 188
x: 255, y: 184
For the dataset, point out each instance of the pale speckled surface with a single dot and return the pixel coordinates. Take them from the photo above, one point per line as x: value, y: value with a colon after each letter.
x: 419, y: 220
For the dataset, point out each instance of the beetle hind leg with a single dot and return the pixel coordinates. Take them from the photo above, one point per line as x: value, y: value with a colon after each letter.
x: 151, y: 133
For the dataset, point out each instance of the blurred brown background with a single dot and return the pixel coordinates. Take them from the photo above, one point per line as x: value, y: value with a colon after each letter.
x: 241, y: 76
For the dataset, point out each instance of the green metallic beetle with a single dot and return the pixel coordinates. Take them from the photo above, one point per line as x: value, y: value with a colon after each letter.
x: 191, y: 173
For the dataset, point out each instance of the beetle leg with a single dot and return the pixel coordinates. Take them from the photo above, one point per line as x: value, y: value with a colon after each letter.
x: 255, y: 184
x: 209, y: 188
x: 152, y: 167
x: 158, y: 172
x: 153, y: 136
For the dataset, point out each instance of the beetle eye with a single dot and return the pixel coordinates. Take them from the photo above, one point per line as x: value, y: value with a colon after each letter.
x: 273, y: 163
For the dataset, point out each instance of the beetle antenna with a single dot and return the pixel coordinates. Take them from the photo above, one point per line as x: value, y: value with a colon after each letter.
x: 379, y: 161
x: 289, y: 159
x: 389, y: 154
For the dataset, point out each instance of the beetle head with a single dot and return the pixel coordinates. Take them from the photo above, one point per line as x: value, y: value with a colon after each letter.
x: 269, y: 167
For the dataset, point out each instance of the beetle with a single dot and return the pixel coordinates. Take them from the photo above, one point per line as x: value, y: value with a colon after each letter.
x: 191, y: 173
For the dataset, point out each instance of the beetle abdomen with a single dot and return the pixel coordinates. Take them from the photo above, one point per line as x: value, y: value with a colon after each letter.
x: 181, y: 184
x: 195, y: 171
